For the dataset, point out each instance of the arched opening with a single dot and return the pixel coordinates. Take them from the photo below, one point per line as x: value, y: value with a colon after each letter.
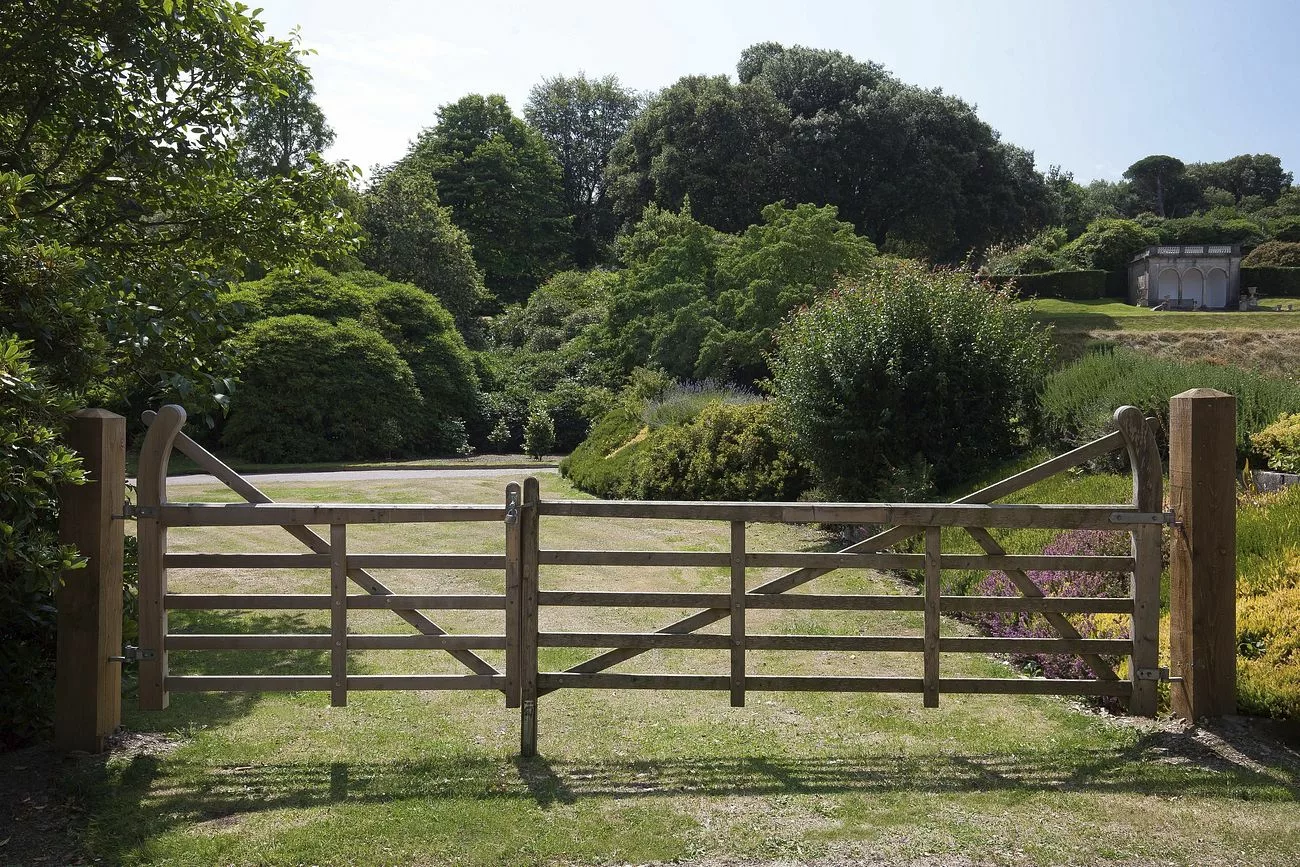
x: 1167, y: 285
x: 1216, y: 289
x: 1193, y: 287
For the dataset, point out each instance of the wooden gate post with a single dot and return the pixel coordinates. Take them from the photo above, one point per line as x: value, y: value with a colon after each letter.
x: 1203, y: 562
x: 528, y: 573
x: 1148, y: 496
x: 88, y: 680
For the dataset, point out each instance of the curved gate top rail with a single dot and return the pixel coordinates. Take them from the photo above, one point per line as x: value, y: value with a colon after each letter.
x: 523, y: 682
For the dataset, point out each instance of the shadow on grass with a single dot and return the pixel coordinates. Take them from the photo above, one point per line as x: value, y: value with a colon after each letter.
x: 1079, y: 321
x: 152, y: 794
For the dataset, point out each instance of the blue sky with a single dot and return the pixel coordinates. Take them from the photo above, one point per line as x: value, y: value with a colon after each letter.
x: 1091, y: 86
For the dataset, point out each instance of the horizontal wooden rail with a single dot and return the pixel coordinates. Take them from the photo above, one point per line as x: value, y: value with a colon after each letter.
x: 628, y: 599
x: 1052, y: 604
x: 802, y: 683
x: 322, y: 682
x: 322, y: 561
x: 194, y: 641
x: 828, y: 602
x: 1061, y: 517
x: 311, y: 601
x: 301, y: 514
x: 832, y: 560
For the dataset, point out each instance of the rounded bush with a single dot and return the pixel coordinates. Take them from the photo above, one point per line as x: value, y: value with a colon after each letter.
x: 907, y: 378
x: 312, y: 390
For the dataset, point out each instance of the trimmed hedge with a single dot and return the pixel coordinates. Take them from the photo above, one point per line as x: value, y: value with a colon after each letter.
x: 1117, y: 284
x: 1066, y: 285
x: 1272, y: 281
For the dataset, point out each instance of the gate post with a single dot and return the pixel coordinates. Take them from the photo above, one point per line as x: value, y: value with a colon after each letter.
x: 1203, y: 562
x: 88, y: 678
x: 151, y: 533
x: 528, y: 529
x: 1148, y: 496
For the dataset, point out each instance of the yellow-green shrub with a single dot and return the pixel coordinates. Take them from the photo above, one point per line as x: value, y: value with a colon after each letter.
x: 1280, y: 443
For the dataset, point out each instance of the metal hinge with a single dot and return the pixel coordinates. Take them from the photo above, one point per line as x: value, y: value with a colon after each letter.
x: 143, y: 512
x: 1161, y: 518
x: 1156, y: 674
x: 131, y: 653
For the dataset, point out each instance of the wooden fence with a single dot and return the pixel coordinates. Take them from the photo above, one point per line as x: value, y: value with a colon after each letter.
x: 521, y: 678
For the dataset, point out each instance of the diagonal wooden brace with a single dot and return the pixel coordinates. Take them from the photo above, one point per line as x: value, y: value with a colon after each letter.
x: 210, y: 463
x: 1098, y: 447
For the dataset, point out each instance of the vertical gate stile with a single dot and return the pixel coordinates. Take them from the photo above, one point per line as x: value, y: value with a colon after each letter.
x: 338, y: 615
x: 528, y: 580
x: 513, y: 608
x: 151, y: 535
x: 930, y: 642
x: 1148, y: 496
x: 737, y: 613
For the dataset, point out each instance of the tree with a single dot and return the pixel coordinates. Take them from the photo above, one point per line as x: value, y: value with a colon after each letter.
x: 581, y: 119
x: 504, y: 189
x: 1160, y: 184
x: 283, y: 129
x: 1109, y: 244
x: 717, y: 143
x: 411, y: 238
x: 1243, y: 177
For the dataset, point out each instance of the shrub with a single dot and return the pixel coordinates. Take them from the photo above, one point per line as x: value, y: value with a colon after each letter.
x: 539, y: 432
x: 729, y: 452
x: 1272, y: 281
x: 685, y: 401
x: 1059, y: 583
x: 600, y: 464
x: 318, y: 391
x: 1078, y: 401
x: 1069, y: 285
x: 1268, y: 604
x: 1274, y: 254
x: 1285, y: 228
x: 907, y: 374
x: 32, y: 464
x: 1109, y: 244
x: 1279, y: 443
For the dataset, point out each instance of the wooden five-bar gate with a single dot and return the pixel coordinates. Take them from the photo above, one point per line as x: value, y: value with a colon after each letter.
x: 520, y: 678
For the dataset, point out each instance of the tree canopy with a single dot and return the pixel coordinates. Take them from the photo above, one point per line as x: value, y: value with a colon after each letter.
x: 283, y: 129
x: 504, y: 189
x: 581, y: 119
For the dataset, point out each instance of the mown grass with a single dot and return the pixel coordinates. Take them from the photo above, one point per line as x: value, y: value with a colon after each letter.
x: 434, y: 778
x: 1107, y: 314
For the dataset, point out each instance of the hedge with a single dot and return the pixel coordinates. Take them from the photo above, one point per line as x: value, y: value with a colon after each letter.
x: 1272, y: 281
x: 1067, y: 285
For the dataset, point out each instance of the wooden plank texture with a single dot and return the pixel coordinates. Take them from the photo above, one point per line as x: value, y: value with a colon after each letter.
x: 930, y: 664
x: 338, y: 615
x: 151, y: 539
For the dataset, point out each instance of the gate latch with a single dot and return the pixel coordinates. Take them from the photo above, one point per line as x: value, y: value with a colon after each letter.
x: 131, y: 653
x: 512, y: 507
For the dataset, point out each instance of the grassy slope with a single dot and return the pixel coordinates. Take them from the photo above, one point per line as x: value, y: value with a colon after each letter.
x: 433, y: 778
x: 1111, y: 315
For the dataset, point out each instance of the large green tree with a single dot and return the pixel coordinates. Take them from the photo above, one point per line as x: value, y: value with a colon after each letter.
x: 581, y: 119
x: 718, y: 143
x: 123, y: 209
x: 281, y: 130
x: 1160, y: 185
x: 504, y: 189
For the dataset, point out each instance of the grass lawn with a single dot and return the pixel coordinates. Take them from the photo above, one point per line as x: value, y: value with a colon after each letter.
x: 434, y: 778
x: 1112, y: 315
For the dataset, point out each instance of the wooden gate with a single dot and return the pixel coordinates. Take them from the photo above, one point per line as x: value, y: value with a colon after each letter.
x: 523, y: 597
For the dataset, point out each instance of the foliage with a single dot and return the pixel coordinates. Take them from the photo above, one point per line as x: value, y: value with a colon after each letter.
x: 1244, y: 178
x: 1274, y: 254
x: 1078, y: 401
x: 504, y: 189
x: 907, y: 375
x: 788, y: 260
x: 33, y: 464
x: 283, y: 128
x: 1285, y: 228
x: 1268, y: 604
x: 1108, y: 244
x: 1272, y: 281
x: 1159, y: 184
x: 539, y: 432
x: 728, y: 451
x: 581, y: 119
x: 1279, y: 443
x: 1069, y: 285
x: 705, y: 139
x: 600, y: 465
x: 1074, y: 543
x: 415, y: 324
x: 412, y: 239
x: 1219, y: 226
x: 1039, y: 254
x: 313, y: 390
x: 683, y: 402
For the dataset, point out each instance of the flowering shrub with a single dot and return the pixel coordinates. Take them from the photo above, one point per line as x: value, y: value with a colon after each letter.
x: 1062, y: 583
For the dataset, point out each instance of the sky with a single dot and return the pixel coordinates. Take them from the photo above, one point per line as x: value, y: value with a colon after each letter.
x: 1090, y: 86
